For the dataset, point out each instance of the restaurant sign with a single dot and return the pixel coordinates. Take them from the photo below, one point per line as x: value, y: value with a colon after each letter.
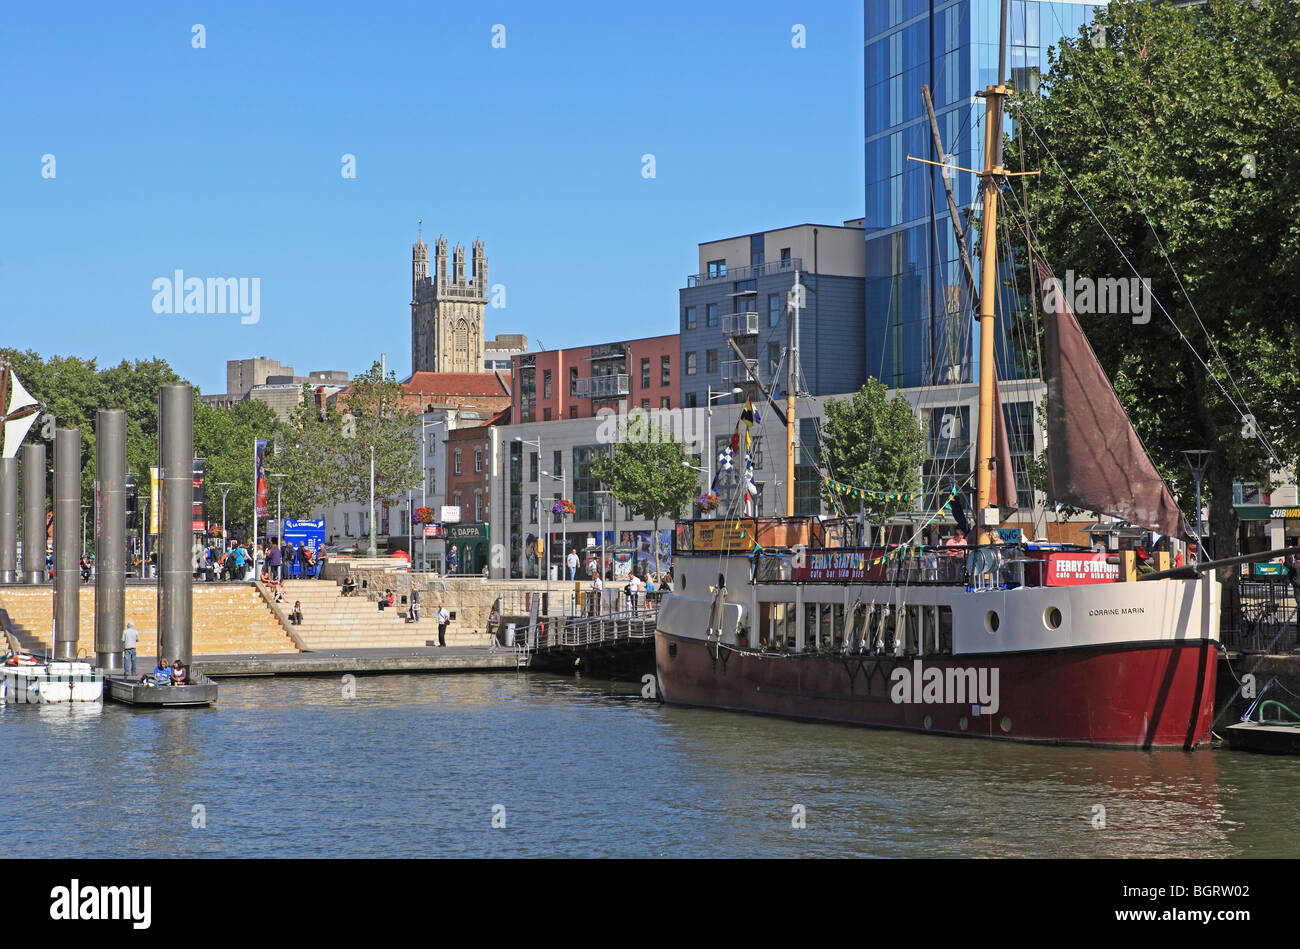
x: 1265, y: 512
x: 1074, y: 569
x: 838, y: 565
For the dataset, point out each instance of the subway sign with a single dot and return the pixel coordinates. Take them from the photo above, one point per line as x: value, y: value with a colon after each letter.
x: 1265, y: 512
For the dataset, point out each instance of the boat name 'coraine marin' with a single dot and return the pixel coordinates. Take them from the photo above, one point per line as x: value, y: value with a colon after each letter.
x: 1116, y: 611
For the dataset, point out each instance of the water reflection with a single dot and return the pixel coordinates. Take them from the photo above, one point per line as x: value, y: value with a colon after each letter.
x: 413, y: 765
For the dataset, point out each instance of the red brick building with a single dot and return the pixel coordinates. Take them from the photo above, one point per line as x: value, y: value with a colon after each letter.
x: 579, y: 382
x: 469, y: 468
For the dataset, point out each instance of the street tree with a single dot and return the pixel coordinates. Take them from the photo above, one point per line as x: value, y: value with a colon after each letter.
x: 876, y: 444
x: 646, y: 473
x: 1173, y: 131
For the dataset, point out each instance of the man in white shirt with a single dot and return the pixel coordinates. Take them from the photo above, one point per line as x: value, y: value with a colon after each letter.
x: 597, y: 593
x: 633, y: 592
x: 443, y: 619
x: 130, y: 636
x: 572, y: 562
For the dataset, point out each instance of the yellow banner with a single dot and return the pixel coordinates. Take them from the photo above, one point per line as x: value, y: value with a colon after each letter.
x: 153, y: 500
x: 724, y: 535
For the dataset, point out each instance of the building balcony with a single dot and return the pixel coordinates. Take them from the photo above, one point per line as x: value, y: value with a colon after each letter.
x: 604, y: 387
x: 734, y: 371
x: 740, y: 324
x: 747, y: 273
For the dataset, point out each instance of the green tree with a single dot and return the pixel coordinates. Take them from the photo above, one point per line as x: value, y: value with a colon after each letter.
x: 375, y: 414
x: 875, y: 443
x: 1178, y: 127
x: 308, y: 450
x: 646, y: 473
x: 225, y: 437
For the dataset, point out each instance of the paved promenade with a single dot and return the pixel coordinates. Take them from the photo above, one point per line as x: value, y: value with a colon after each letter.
x: 335, y: 662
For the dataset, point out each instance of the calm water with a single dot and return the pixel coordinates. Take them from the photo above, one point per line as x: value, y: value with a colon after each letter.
x: 413, y: 766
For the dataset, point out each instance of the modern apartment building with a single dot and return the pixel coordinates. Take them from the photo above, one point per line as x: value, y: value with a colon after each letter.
x: 918, y: 330
x: 577, y: 383
x: 739, y: 295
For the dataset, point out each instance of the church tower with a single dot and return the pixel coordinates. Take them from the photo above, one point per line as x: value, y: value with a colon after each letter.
x: 447, y: 309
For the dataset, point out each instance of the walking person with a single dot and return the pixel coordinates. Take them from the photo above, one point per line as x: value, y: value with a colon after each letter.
x: 414, y: 601
x: 572, y: 562
x: 443, y: 619
x: 130, y: 636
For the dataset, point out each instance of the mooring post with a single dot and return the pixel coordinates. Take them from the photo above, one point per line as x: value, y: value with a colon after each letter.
x: 67, y: 523
x: 175, y: 559
x: 8, y: 519
x: 34, y: 482
x: 110, y: 537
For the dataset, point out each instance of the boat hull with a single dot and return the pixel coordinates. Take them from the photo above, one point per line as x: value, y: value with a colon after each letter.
x: 37, y: 685
x: 1135, y: 695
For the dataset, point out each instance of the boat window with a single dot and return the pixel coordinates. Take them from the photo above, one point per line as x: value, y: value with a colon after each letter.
x: 811, y: 614
x: 945, y: 629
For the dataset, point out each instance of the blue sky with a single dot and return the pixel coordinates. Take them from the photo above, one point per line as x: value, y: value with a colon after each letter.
x: 225, y: 162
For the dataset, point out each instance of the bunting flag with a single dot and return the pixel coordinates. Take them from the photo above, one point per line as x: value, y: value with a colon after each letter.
x: 725, y: 460
x: 850, y: 491
x: 748, y: 416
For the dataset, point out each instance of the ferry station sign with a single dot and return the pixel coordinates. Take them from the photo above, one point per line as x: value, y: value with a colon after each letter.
x: 846, y: 564
x: 1076, y: 568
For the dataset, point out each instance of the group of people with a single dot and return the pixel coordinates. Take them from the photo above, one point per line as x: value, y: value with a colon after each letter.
x: 237, y: 562
x: 638, y: 581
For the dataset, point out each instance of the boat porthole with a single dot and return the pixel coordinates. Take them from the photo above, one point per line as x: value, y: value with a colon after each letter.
x: 962, y: 723
x: 672, y: 650
x: 991, y: 621
x: 1052, y: 618
x: 1006, y: 724
x: 927, y: 722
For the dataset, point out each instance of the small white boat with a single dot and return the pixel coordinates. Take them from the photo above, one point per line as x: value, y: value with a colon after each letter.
x: 25, y: 680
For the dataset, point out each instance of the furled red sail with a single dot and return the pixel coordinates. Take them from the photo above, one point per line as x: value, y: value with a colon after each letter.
x: 1095, y: 459
x: 1004, y: 475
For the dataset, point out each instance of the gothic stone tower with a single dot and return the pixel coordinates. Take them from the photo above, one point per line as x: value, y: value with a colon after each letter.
x: 447, y: 311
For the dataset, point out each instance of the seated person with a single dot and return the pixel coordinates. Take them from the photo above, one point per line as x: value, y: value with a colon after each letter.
x: 162, y: 675
x: 180, y: 674
x: 279, y: 593
x: 384, y: 601
x: 349, y: 586
x: 296, y: 616
x: 266, y: 577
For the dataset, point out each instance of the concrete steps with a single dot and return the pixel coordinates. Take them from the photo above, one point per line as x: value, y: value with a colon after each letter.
x: 227, y: 618
x: 332, y: 621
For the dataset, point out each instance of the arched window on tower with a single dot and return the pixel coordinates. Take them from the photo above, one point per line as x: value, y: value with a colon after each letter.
x: 460, y: 355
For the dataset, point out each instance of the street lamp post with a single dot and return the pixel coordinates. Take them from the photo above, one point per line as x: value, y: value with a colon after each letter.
x: 537, y: 442
x: 424, y: 492
x: 279, y: 519
x: 225, y: 489
x: 1198, y: 459
x: 604, y: 507
x: 564, y: 525
x: 373, y: 551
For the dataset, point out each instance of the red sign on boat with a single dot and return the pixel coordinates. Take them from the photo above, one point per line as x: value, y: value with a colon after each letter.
x: 1075, y: 568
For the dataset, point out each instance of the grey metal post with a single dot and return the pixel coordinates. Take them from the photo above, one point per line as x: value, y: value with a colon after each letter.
x: 8, y: 519
x: 175, y: 560
x: 34, y: 476
x: 67, y: 515
x: 110, y: 537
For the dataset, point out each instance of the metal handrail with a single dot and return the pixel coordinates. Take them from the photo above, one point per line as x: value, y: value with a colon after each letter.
x: 747, y: 273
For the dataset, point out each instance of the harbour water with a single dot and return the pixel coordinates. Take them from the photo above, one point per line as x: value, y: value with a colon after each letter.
x: 422, y: 766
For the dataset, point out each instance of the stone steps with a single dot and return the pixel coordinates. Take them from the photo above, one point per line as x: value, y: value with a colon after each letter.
x: 227, y: 618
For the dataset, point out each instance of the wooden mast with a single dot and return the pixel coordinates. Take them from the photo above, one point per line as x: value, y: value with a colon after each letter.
x: 792, y: 380
x: 993, y: 170
x: 990, y: 177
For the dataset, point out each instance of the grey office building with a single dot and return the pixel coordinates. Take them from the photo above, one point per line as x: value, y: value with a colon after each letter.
x: 739, y: 294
